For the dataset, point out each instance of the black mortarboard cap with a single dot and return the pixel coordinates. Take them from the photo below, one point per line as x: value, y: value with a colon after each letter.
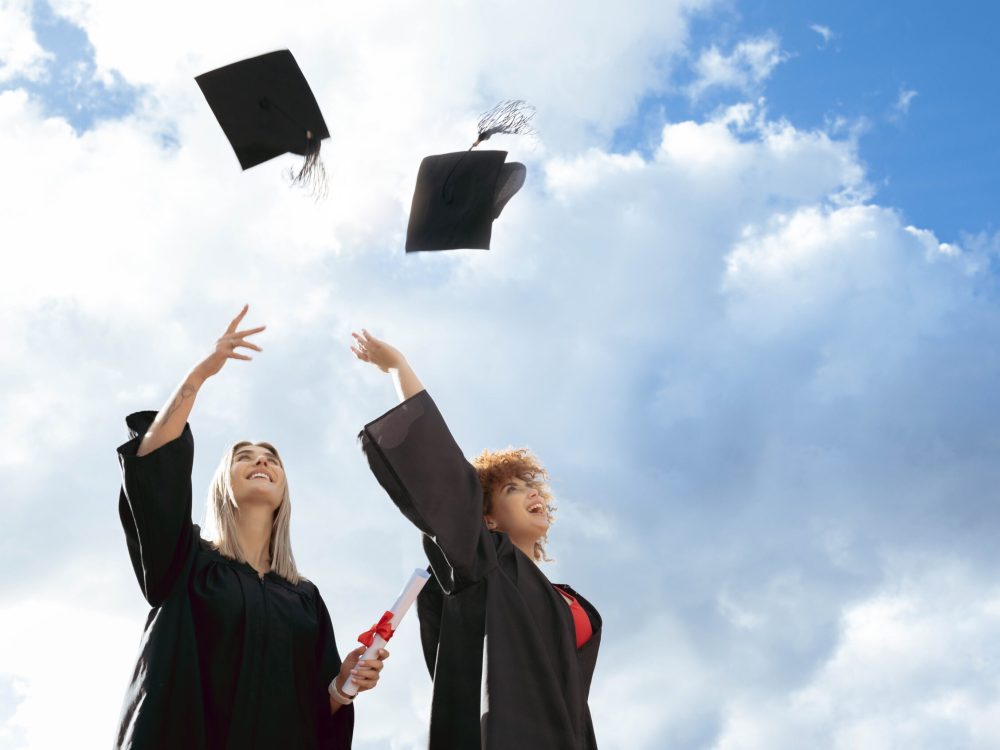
x: 266, y: 109
x: 458, y: 195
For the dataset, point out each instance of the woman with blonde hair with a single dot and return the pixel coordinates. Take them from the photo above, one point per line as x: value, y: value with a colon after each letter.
x: 238, y: 650
x: 485, y: 525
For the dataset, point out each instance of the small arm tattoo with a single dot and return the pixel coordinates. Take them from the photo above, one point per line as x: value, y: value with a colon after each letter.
x: 187, y: 390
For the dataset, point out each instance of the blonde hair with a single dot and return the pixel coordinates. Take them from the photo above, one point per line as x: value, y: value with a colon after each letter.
x: 496, y: 467
x: 220, y: 522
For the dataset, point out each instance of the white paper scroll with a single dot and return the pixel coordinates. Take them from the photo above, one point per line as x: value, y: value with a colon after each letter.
x: 398, y: 610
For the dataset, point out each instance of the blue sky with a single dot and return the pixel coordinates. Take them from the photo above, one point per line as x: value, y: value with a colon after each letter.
x: 70, y: 88
x: 744, y: 309
x: 936, y: 161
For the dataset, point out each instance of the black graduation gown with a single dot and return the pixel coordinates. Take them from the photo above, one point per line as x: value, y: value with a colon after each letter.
x: 228, y: 659
x: 485, y: 591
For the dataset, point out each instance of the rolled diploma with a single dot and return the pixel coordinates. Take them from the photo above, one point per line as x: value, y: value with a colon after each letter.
x: 403, y: 603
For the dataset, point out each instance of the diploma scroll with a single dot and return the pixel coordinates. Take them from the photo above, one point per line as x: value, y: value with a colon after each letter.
x: 382, y: 631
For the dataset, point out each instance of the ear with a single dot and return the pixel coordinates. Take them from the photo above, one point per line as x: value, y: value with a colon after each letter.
x: 490, y: 523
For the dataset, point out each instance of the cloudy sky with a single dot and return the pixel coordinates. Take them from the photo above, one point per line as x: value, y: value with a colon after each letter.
x: 746, y: 309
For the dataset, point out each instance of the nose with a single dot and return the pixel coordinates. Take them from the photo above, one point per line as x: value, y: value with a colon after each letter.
x: 532, y: 492
x: 260, y: 460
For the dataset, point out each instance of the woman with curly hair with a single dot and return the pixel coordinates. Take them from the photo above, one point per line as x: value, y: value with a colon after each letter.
x: 238, y: 649
x: 485, y: 525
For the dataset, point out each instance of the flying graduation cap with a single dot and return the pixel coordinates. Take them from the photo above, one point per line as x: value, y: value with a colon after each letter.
x: 266, y: 109
x: 458, y: 195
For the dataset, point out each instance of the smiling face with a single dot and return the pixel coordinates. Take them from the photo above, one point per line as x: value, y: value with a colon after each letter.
x: 257, y: 475
x: 516, y: 508
x: 516, y: 497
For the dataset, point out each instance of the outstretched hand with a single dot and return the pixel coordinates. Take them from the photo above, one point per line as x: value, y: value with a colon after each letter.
x: 367, y: 348
x: 226, y: 345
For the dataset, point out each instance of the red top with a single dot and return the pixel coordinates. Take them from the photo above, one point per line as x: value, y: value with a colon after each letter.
x: 581, y: 620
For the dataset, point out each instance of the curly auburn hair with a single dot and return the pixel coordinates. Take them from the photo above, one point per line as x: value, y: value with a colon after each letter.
x: 497, y: 467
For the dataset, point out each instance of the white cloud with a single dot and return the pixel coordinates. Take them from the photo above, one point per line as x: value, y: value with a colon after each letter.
x: 824, y: 31
x: 20, y: 54
x: 745, y: 68
x: 902, y: 106
x: 752, y: 384
x: 74, y: 655
x: 912, y: 667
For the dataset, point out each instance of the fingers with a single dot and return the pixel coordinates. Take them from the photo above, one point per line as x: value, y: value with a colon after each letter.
x: 366, y: 340
x: 370, y: 341
x: 365, y: 672
x: 247, y: 345
x: 237, y: 319
x: 234, y: 355
x: 365, y: 344
x: 370, y: 664
x: 247, y: 332
x: 365, y: 677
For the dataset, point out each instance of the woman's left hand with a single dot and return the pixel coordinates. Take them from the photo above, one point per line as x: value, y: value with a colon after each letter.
x: 365, y: 673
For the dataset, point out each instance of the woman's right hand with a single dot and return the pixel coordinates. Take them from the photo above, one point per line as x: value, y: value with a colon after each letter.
x: 367, y: 348
x: 226, y: 345
x: 170, y: 420
x: 389, y: 359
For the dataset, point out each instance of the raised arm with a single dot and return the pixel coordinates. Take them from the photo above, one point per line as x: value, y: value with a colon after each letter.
x: 170, y: 420
x: 415, y: 458
x: 155, y: 499
x: 388, y: 359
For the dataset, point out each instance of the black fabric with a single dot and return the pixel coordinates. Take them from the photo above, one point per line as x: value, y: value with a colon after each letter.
x: 484, y: 591
x: 228, y: 659
x: 457, y: 197
x: 265, y: 107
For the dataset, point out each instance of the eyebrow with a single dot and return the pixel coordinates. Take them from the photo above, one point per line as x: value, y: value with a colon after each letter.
x: 248, y: 452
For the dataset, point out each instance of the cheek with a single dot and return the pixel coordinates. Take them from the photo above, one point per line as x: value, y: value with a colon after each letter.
x: 508, y: 509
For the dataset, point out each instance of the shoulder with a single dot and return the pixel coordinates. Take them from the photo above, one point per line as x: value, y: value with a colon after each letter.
x: 304, y: 588
x: 207, y: 547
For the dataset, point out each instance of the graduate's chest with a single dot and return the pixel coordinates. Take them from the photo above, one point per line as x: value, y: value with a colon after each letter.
x: 228, y: 602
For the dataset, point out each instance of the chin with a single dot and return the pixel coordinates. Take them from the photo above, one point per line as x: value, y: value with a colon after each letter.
x: 257, y: 497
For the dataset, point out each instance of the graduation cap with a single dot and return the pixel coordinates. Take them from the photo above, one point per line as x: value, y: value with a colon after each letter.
x: 458, y: 195
x: 266, y: 109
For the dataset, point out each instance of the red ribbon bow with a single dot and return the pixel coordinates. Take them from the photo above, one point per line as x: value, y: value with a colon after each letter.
x: 382, y: 628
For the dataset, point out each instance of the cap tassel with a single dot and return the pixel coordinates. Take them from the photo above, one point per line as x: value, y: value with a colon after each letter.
x: 511, y: 117
x: 312, y: 174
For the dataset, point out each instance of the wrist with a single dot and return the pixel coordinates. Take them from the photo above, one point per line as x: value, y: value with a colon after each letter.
x: 337, y: 691
x: 196, y: 377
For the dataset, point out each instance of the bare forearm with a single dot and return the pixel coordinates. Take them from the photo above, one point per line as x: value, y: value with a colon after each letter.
x: 406, y: 381
x: 170, y: 421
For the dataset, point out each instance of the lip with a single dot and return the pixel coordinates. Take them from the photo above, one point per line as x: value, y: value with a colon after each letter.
x: 252, y: 474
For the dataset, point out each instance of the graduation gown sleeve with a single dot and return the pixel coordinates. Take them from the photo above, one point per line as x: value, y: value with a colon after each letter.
x: 155, y: 508
x: 154, y: 505
x: 417, y: 461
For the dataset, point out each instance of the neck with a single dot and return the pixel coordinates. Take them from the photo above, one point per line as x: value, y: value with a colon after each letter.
x: 527, y: 547
x: 254, y: 527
